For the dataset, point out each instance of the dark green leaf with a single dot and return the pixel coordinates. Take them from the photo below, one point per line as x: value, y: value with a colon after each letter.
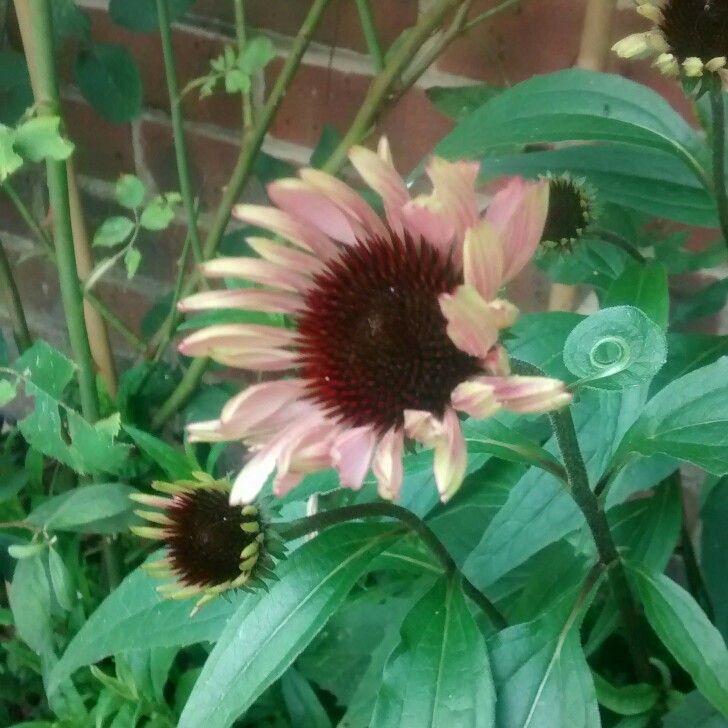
x: 572, y: 105
x: 593, y: 262
x: 687, y: 352
x: 714, y: 551
x: 457, y: 102
x: 625, y: 699
x: 173, y: 463
x: 615, y: 348
x: 686, y: 632
x: 262, y: 638
x: 109, y: 79
x: 16, y: 95
x: 100, y: 508
x: 328, y: 141
x: 688, y: 420
x: 643, y: 286
x: 438, y: 675
x: 141, y: 15
x: 303, y: 705
x: 700, y: 304
x: 695, y: 712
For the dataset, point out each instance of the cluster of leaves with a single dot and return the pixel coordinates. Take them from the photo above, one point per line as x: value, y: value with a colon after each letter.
x: 363, y: 627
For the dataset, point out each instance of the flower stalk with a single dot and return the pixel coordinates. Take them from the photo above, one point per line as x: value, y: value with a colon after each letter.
x: 303, y: 526
x: 48, y: 104
x: 370, y: 33
x: 14, y: 303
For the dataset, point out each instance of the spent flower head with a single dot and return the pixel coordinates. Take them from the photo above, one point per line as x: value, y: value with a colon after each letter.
x: 395, y: 324
x: 571, y: 213
x: 211, y: 546
x: 688, y: 38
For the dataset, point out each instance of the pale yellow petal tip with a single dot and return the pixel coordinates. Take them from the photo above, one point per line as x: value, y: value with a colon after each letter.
x: 693, y: 67
x: 632, y: 46
x: 156, y: 534
x: 154, y: 517
x: 650, y: 11
x: 667, y: 64
x: 716, y: 64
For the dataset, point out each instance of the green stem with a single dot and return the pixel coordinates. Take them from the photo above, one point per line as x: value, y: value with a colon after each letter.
x: 719, y: 189
x: 303, y: 526
x: 370, y: 33
x: 240, y: 175
x: 578, y: 480
x: 21, y: 332
x: 28, y: 218
x: 180, y: 144
x: 619, y: 242
x: 48, y: 104
x: 115, y: 322
x: 486, y: 15
x: 241, y: 35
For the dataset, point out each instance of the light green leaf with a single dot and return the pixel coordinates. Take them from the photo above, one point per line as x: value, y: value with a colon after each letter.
x: 113, y: 231
x: 643, y: 286
x: 625, y: 699
x: 30, y: 600
x: 60, y: 580
x: 40, y: 138
x: 686, y: 632
x: 132, y: 259
x: 109, y: 79
x: 688, y: 420
x: 99, y: 508
x: 438, y: 675
x: 262, y: 638
x: 8, y: 392
x: 257, y: 53
x: 174, y: 463
x: 615, y: 348
x: 237, y: 82
x: 129, y: 191
x: 159, y: 213
x: 10, y: 160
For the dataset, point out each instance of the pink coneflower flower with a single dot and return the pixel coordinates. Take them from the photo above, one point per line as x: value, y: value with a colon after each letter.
x: 395, y: 324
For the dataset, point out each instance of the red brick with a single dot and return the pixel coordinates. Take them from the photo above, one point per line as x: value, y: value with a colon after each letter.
x: 212, y: 160
x: 537, y: 37
x: 340, y: 27
x: 103, y: 150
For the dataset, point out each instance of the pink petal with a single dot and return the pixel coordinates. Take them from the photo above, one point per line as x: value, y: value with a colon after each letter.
x: 283, y: 224
x: 483, y: 259
x: 470, y: 323
x: 454, y: 187
x: 310, y: 450
x: 497, y: 362
x: 451, y: 457
x: 380, y: 175
x: 349, y: 202
x: 208, y: 431
x: 387, y: 464
x: 303, y: 202
x: 532, y: 395
x: 257, y: 360
x: 235, y: 338
x: 253, y: 299
x: 351, y: 455
x: 258, y: 403
x: 519, y: 213
x: 284, y: 256
x: 421, y: 221
x: 423, y: 426
x: 257, y: 271
x: 476, y: 397
x: 284, y: 483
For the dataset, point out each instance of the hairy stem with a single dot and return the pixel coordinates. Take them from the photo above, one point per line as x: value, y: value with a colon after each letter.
x: 180, y: 145
x: 718, y: 137
x: 48, y: 104
x: 304, y: 526
x: 21, y: 332
x: 619, y: 242
x: 370, y: 33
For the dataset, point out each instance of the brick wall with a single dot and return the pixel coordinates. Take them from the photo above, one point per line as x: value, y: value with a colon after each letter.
x: 540, y: 37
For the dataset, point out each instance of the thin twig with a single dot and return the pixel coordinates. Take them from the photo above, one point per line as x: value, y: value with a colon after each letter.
x: 21, y: 332
x: 370, y: 33
x: 619, y: 242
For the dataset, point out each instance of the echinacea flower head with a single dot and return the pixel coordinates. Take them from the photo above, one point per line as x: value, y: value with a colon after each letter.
x: 572, y: 210
x: 689, y: 37
x: 211, y: 546
x: 395, y: 324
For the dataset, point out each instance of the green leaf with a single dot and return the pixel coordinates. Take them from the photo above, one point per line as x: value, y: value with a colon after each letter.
x: 257, y: 53
x: 714, y: 551
x: 625, y: 699
x: 132, y: 259
x: 174, y: 463
x: 237, y: 82
x: 69, y: 21
x: 303, y: 704
x: 129, y: 191
x: 438, y: 675
x: 688, y: 352
x: 643, y: 286
x: 539, y: 340
x: 10, y: 161
x: 695, y: 712
x: 99, y: 508
x: 703, y: 303
x: 651, y: 181
x: 686, y: 632
x: 57, y: 431
x: 328, y: 141
x: 113, y: 231
x: 30, y: 600
x: 615, y: 348
x: 136, y: 617
x: 460, y: 101
x: 573, y: 105
x: 262, y: 638
x: 16, y: 95
x: 60, y: 580
x: 141, y: 16
x: 688, y: 420
x: 109, y: 80
x: 8, y: 392
x: 40, y: 138
x: 159, y: 213
x: 541, y: 675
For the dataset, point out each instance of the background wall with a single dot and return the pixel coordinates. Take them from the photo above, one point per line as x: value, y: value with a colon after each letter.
x: 538, y: 37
